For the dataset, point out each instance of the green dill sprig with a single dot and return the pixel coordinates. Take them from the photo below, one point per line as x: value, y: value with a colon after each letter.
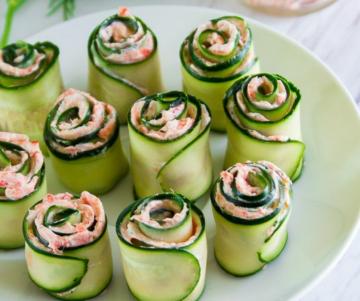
x: 12, y: 6
x: 68, y: 7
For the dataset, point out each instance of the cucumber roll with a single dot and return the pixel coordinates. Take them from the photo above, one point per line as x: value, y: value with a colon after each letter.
x: 163, y: 248
x: 67, y: 247
x: 123, y: 61
x: 263, y: 123
x: 169, y: 145
x: 213, y: 57
x: 30, y: 81
x: 251, y: 205
x: 82, y: 135
x: 22, y: 184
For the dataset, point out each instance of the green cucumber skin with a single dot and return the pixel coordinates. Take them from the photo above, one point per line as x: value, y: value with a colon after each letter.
x: 197, y: 251
x: 275, y: 256
x: 146, y: 74
x: 199, y: 297
x: 212, y: 93
x: 96, y: 277
x: 237, y: 275
x: 100, y: 269
x: 157, y: 264
x: 288, y: 126
x: 300, y: 169
x: 81, y: 299
x: 54, y: 274
x: 201, y: 169
x: 242, y: 147
x: 24, y: 109
x: 97, y: 174
x: 237, y: 246
x: 107, y: 89
x: 142, y: 148
x: 12, y: 215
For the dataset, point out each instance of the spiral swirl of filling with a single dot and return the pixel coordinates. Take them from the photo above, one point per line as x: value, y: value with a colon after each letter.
x: 21, y: 166
x: 253, y: 192
x: 124, y: 39
x: 220, y: 48
x: 63, y: 221
x: 22, y: 63
x: 262, y: 99
x: 161, y: 221
x: 79, y: 124
x: 168, y: 116
x: 20, y: 59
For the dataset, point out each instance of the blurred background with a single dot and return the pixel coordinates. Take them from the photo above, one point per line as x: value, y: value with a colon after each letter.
x: 332, y: 33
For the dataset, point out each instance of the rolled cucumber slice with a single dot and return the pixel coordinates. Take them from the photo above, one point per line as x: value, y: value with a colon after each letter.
x: 156, y: 267
x: 85, y: 146
x: 169, y: 178
x: 55, y: 274
x: 117, y: 81
x: 160, y: 266
x: 264, y: 126
x: 275, y: 245
x: 31, y: 95
x: 76, y: 272
x: 103, y: 171
x: 180, y: 160
x: 23, y: 183
x: 12, y: 214
x: 242, y: 147
x: 251, y: 230
x: 208, y: 75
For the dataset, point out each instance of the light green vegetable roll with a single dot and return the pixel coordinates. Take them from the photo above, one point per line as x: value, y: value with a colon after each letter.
x: 123, y: 61
x: 30, y: 81
x: 163, y: 248
x: 22, y: 184
x: 169, y: 145
x: 82, y: 135
x: 263, y: 123
x: 251, y: 205
x: 213, y: 57
x: 67, y: 246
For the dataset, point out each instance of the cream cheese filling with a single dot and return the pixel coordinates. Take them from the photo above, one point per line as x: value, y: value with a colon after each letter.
x: 103, y: 118
x: 130, y: 47
x: 131, y: 231
x: 281, y: 197
x: 11, y: 70
x: 15, y: 184
x: 172, y: 128
x: 91, y: 210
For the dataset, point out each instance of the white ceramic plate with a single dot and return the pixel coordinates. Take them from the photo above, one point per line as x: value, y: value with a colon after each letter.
x: 326, y: 198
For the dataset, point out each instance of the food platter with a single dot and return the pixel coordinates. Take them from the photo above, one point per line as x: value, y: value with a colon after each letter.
x: 325, y: 207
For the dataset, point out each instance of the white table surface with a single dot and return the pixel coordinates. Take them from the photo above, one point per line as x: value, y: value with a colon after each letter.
x: 333, y: 34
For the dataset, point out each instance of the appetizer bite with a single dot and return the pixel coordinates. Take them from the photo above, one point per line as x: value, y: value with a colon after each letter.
x: 30, y: 81
x: 67, y: 247
x: 163, y: 248
x: 123, y: 61
x: 213, y: 57
x: 251, y: 205
x: 22, y: 184
x: 263, y: 123
x: 169, y: 145
x: 83, y: 137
